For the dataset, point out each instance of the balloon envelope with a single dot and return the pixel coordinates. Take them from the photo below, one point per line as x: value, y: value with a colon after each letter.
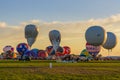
x: 67, y: 50
x: 8, y: 51
x: 42, y: 54
x: 28, y: 53
x: 95, y: 35
x: 31, y: 33
x: 55, y: 38
x: 111, y: 41
x: 61, y: 51
x: 22, y: 47
x: 85, y: 53
x: 50, y: 50
x: 35, y: 52
x: 8, y: 48
x: 93, y: 50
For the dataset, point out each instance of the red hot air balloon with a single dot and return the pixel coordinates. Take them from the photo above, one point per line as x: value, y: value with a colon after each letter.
x: 61, y: 51
x: 93, y: 50
x: 67, y: 50
x: 42, y: 54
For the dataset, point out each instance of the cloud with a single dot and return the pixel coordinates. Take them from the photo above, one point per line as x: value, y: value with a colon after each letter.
x: 35, y: 21
x: 3, y: 24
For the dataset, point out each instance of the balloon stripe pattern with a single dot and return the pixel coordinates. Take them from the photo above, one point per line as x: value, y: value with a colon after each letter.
x: 93, y: 50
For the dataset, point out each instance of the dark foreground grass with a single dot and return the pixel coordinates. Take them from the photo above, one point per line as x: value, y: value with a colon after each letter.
x: 39, y: 70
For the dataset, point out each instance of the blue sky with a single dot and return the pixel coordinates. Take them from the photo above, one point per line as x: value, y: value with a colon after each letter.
x: 16, y: 11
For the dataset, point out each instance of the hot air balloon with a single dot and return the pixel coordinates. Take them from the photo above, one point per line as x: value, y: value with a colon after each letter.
x: 50, y: 50
x: 55, y: 38
x: 28, y: 53
x: 22, y: 48
x: 85, y: 56
x: 31, y: 33
x: 8, y: 51
x: 60, y: 51
x: 85, y: 53
x: 67, y: 49
x: 8, y: 48
x: 93, y: 50
x: 31, y: 54
x: 95, y: 35
x: 42, y: 54
x: 111, y: 41
x: 64, y: 50
x: 35, y: 52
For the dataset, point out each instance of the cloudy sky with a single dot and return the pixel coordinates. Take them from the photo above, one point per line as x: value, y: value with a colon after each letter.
x: 70, y: 17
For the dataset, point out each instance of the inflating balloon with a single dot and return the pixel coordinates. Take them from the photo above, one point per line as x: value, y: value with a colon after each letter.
x: 8, y: 52
x: 8, y: 48
x: 42, y: 54
x: 31, y: 53
x: 85, y: 53
x: 50, y: 50
x: 22, y: 47
x: 93, y: 50
x: 61, y: 51
x: 31, y: 33
x: 111, y: 41
x: 35, y: 52
x: 55, y: 38
x: 95, y: 35
x: 67, y: 49
x: 28, y: 53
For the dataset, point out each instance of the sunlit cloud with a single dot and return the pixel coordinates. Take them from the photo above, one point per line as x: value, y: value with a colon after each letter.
x: 3, y: 24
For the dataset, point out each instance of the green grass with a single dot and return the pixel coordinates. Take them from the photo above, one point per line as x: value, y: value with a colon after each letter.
x: 39, y: 70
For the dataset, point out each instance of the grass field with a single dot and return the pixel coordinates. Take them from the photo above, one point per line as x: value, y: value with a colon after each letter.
x: 39, y: 70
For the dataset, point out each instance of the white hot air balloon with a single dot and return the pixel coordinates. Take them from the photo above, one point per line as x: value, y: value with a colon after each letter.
x: 111, y: 41
x: 55, y: 38
x: 31, y: 33
x: 95, y: 35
